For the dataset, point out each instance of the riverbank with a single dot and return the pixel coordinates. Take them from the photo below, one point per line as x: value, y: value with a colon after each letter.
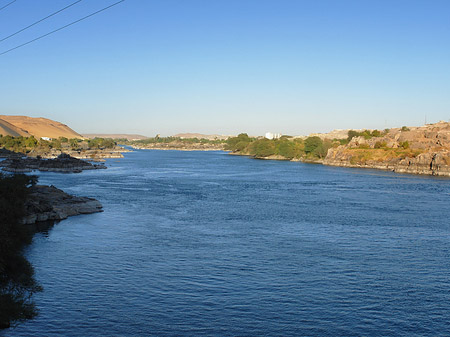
x: 421, y: 150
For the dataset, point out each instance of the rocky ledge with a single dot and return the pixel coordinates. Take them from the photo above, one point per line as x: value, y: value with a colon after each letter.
x: 63, y: 163
x: 46, y: 203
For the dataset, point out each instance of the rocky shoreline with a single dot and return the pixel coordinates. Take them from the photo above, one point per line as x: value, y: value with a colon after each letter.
x: 64, y: 163
x: 423, y: 150
x: 433, y: 164
x: 89, y: 154
x: 180, y: 147
x: 48, y: 203
x: 424, y: 164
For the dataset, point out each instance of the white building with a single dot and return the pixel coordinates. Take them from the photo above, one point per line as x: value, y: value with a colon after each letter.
x: 46, y: 138
x: 270, y: 135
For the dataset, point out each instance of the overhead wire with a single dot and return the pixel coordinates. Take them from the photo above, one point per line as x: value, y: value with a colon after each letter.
x: 61, y: 28
x: 35, y: 23
x: 7, y: 5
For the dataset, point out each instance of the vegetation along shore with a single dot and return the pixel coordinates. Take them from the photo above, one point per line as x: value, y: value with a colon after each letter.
x: 415, y: 150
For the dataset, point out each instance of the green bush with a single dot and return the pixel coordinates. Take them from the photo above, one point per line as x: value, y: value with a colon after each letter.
x: 380, y: 144
x: 404, y: 144
x: 367, y: 134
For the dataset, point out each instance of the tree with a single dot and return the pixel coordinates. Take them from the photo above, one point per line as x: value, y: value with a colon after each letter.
x: 311, y: 143
x: 262, y: 148
x: 287, y: 149
x: 73, y: 142
x: 351, y: 134
x: 31, y: 142
x: 17, y: 283
x: 241, y: 139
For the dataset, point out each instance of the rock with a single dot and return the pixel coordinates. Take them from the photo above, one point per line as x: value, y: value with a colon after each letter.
x: 63, y: 163
x: 50, y: 203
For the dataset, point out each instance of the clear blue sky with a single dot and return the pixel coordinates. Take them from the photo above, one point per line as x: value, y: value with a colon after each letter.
x: 229, y: 66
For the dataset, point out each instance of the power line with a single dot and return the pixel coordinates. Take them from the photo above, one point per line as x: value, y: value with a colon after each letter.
x: 49, y: 16
x: 7, y: 4
x: 61, y: 28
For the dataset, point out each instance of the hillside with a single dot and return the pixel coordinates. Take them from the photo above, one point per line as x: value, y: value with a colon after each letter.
x: 7, y: 129
x: 37, y: 127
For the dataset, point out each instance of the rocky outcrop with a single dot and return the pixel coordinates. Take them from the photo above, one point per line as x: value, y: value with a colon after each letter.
x: 416, y: 150
x: 46, y: 203
x: 425, y: 163
x: 88, y: 154
x: 63, y: 163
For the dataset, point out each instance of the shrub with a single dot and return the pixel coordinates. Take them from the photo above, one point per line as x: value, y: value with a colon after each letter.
x: 376, y: 133
x: 380, y: 144
x: 405, y: 144
x: 351, y: 134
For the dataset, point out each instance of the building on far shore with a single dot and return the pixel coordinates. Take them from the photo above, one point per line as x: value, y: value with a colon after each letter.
x: 46, y: 138
x: 270, y: 135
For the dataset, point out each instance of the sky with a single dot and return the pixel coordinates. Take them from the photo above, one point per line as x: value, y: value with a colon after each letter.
x: 228, y: 66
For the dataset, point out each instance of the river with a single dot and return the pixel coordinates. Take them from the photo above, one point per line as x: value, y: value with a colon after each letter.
x: 204, y: 243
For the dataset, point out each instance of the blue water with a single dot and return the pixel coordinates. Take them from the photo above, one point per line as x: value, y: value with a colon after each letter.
x: 204, y: 243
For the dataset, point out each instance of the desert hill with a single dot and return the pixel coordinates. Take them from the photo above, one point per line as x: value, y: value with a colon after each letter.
x: 38, y: 127
x: 115, y: 136
x: 200, y: 136
x: 7, y: 129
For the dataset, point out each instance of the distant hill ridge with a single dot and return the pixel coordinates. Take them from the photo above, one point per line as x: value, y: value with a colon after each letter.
x: 115, y: 136
x: 34, y: 126
x: 200, y: 136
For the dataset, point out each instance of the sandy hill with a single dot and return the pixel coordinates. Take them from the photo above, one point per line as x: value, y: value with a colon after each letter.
x: 40, y: 127
x: 115, y: 136
x: 200, y: 136
x: 7, y: 129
